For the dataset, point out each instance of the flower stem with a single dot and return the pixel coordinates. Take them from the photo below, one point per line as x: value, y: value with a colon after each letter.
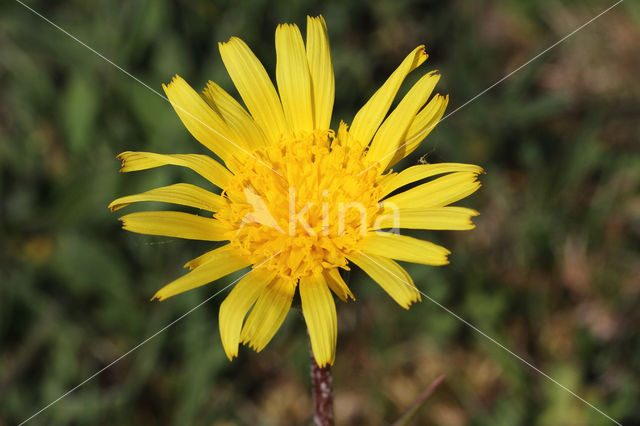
x: 321, y: 381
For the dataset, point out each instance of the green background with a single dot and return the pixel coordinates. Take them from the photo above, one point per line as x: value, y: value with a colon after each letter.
x: 552, y: 270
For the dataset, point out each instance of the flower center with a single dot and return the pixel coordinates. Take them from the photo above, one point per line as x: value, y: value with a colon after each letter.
x: 301, y: 206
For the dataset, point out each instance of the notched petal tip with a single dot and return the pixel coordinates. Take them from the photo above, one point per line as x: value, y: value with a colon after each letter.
x: 123, y: 160
x: 251, y: 344
x: 324, y: 363
x: 210, y: 87
x: 419, y: 56
x: 315, y: 18
x: 422, y: 53
x: 125, y: 223
x: 417, y: 298
x: 160, y: 296
x: 412, y: 302
x: 174, y: 80
x: 190, y: 264
x: 440, y: 99
x: 474, y: 212
x: 232, y: 39
x: 286, y: 27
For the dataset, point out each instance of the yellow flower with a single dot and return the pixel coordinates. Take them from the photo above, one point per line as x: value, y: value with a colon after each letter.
x: 300, y: 201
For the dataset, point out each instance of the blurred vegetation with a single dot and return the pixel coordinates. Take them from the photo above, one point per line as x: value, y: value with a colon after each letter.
x: 552, y: 270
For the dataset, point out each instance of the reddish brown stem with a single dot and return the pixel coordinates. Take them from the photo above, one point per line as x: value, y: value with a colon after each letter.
x: 321, y: 381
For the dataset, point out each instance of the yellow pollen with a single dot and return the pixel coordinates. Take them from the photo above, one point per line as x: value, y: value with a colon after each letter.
x: 311, y: 213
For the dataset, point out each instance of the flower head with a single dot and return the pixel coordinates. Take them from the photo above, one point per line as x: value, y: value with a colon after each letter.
x: 300, y: 201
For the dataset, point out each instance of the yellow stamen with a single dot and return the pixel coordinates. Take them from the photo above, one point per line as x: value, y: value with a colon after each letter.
x: 317, y: 206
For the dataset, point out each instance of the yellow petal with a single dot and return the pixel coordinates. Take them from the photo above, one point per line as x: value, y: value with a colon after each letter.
x: 368, y: 119
x: 321, y: 68
x: 392, y: 132
x: 201, y: 121
x: 236, y: 305
x: 180, y: 193
x: 439, y: 192
x: 205, y: 257
x: 225, y: 262
x: 292, y: 75
x: 391, y: 182
x: 255, y: 87
x: 451, y: 218
x: 268, y: 313
x: 319, y: 311
x: 390, y: 276
x: 204, y: 165
x: 344, y: 137
x: 175, y: 224
x: 337, y: 284
x: 235, y: 116
x: 405, y: 248
x: 424, y: 123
